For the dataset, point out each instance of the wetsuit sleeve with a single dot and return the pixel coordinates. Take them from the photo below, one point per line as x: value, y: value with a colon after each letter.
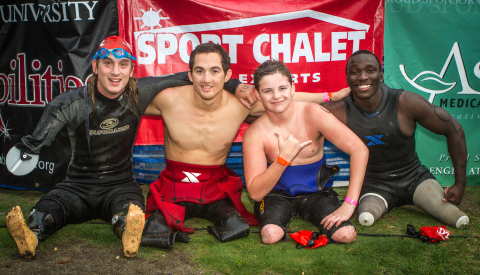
x: 58, y: 113
x: 150, y: 80
x: 232, y: 85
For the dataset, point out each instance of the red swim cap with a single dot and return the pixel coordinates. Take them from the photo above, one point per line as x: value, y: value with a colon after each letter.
x: 114, y: 42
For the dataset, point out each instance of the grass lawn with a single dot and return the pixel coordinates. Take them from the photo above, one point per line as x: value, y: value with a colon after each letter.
x: 367, y: 255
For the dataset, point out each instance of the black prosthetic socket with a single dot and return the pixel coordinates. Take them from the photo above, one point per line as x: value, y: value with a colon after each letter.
x: 156, y: 233
x: 229, y: 229
x: 119, y: 221
x: 41, y: 223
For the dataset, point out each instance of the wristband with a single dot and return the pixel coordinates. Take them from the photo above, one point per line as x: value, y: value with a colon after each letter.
x: 347, y: 199
x: 325, y: 97
x: 329, y: 97
x: 282, y: 161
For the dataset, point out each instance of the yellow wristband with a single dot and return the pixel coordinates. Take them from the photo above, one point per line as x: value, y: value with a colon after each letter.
x: 282, y: 161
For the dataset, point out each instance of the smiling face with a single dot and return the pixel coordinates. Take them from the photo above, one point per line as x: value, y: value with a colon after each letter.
x: 113, y: 75
x: 364, y: 77
x: 276, y: 92
x: 207, y: 75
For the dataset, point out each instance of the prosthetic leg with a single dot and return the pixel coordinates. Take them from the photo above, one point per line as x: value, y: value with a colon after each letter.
x: 129, y: 227
x: 40, y: 226
x: 428, y: 196
x: 157, y: 234
x: 371, y: 207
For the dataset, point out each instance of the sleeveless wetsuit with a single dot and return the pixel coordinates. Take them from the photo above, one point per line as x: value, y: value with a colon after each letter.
x: 393, y: 165
x: 292, y: 184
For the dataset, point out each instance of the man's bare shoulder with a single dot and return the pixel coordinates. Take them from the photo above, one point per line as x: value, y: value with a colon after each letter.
x: 412, y: 103
x: 173, y: 96
x: 232, y: 103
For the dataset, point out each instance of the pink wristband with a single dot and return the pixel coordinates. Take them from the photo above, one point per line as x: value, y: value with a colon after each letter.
x: 347, y: 199
x: 325, y: 97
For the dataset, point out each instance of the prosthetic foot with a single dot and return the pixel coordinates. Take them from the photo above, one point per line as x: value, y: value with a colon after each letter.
x: 132, y: 235
x: 25, y: 239
x: 371, y: 207
x: 428, y: 196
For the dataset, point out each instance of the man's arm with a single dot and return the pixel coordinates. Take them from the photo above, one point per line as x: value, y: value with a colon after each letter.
x: 321, y: 98
x: 347, y: 141
x: 259, y: 179
x: 440, y: 122
x: 247, y: 96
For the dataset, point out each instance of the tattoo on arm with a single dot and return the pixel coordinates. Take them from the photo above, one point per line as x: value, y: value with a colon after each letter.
x: 445, y: 116
x: 324, y: 109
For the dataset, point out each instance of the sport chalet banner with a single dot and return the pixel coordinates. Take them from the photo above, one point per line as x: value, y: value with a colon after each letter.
x: 314, y: 39
x: 432, y: 48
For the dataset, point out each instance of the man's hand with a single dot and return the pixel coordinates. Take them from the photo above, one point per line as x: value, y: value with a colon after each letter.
x: 290, y: 147
x: 343, y: 213
x: 246, y: 95
x: 341, y: 94
x: 453, y: 194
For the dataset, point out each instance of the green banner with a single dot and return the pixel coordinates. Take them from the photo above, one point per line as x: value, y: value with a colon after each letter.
x: 432, y: 48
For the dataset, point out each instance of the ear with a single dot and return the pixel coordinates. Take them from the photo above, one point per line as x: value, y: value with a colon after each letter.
x: 293, y: 88
x: 381, y: 77
x: 131, y: 72
x: 228, y: 75
x: 94, y: 66
x: 190, y: 76
x: 257, y: 95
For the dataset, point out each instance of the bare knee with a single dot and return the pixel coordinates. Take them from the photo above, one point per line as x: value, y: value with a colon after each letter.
x: 346, y: 234
x: 272, y: 233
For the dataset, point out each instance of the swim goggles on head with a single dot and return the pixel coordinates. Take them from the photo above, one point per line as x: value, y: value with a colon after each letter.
x: 118, y: 53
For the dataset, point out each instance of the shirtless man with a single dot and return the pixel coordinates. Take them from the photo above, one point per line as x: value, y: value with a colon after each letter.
x: 201, y: 122
x: 395, y: 175
x: 282, y: 153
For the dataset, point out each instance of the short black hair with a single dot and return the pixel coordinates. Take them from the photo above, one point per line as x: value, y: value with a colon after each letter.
x: 363, y: 52
x: 211, y: 48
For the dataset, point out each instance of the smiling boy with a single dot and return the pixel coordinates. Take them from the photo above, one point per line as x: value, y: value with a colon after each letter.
x: 282, y: 154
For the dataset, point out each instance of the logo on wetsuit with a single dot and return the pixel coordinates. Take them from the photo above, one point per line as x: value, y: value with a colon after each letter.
x: 375, y: 140
x: 109, y: 123
x: 108, y: 127
x: 191, y: 177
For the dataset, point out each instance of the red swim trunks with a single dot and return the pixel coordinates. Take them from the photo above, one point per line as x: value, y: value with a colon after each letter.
x: 182, y: 182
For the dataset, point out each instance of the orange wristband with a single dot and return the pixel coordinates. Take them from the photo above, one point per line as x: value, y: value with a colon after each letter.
x: 329, y: 96
x: 282, y: 161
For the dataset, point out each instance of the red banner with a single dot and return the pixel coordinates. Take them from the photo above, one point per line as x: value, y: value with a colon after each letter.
x: 314, y: 38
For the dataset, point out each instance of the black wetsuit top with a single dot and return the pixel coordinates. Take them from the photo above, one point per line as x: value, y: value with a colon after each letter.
x: 107, y: 156
x: 392, y: 159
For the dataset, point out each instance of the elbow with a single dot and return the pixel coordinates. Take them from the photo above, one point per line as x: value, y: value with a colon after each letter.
x: 254, y: 196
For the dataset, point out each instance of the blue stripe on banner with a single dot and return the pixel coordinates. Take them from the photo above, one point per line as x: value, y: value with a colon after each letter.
x: 2, y: 185
x: 149, y: 161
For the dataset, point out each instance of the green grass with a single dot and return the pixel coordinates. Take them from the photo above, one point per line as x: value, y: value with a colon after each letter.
x: 367, y: 255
